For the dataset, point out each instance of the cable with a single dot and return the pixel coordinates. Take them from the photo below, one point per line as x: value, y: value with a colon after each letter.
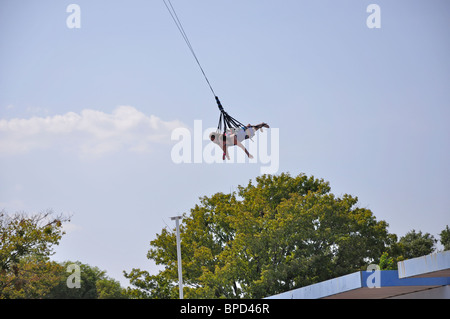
x: 225, y: 119
x: 179, y: 25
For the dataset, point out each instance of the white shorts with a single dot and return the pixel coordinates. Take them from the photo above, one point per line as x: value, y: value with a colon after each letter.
x: 242, y: 134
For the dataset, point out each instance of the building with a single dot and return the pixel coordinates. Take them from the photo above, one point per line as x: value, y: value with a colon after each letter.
x: 418, y: 278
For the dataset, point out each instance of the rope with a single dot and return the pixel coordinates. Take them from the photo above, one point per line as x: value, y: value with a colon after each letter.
x: 225, y: 120
x: 179, y: 25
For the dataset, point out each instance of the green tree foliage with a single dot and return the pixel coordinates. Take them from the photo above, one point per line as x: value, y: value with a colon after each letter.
x: 282, y: 233
x: 32, y: 278
x: 94, y: 284
x: 25, y: 267
x: 387, y: 263
x: 445, y: 238
x: 150, y: 286
x: 415, y: 244
x: 25, y: 246
x: 108, y: 288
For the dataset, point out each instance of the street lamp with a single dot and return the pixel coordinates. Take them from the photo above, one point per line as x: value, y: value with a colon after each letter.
x: 180, y: 273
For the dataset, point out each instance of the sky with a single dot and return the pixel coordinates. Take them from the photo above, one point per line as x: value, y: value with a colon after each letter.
x: 88, y: 113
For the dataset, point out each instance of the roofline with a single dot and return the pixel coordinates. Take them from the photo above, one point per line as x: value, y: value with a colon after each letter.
x: 370, y: 284
x: 433, y: 265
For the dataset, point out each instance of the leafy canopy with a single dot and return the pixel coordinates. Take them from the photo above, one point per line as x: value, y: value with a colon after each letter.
x: 282, y: 233
x: 25, y: 246
x: 26, y: 270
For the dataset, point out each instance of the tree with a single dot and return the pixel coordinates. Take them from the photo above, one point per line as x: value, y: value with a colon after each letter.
x: 25, y: 247
x: 414, y: 244
x: 282, y: 233
x: 108, y: 288
x: 445, y: 238
x: 148, y: 286
x: 32, y: 278
x: 387, y: 263
x: 94, y: 285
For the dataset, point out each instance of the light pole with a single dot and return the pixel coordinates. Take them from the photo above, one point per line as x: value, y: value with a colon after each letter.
x: 180, y: 273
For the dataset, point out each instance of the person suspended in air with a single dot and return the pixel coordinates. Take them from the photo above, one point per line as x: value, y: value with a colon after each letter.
x: 234, y: 132
x: 234, y: 137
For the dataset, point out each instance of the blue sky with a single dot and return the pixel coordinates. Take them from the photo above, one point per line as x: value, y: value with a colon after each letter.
x: 86, y: 114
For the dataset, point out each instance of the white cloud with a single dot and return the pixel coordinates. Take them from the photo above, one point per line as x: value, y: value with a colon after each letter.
x: 90, y: 133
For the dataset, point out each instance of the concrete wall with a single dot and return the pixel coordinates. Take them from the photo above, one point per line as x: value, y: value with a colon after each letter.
x: 433, y: 265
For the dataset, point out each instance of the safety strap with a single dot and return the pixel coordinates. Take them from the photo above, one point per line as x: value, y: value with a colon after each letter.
x: 226, y: 121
